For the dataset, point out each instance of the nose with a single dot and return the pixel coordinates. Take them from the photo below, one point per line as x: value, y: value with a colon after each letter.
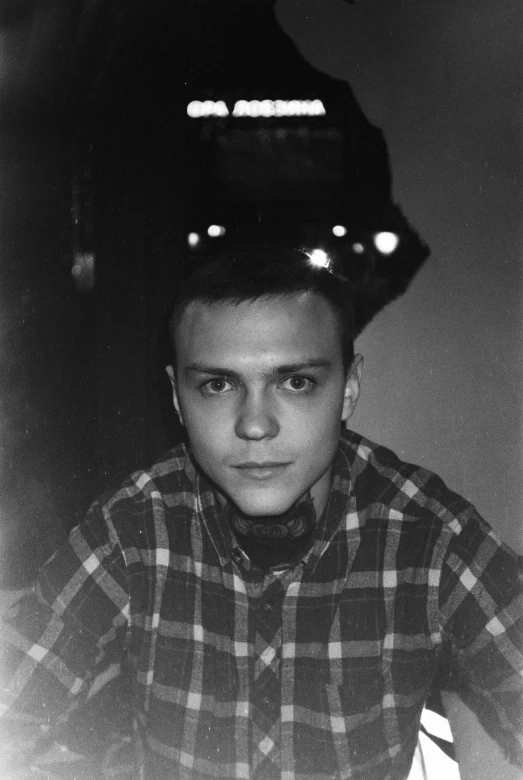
x: 256, y: 418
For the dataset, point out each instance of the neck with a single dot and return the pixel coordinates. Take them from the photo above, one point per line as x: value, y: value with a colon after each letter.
x: 299, y: 520
x: 275, y: 540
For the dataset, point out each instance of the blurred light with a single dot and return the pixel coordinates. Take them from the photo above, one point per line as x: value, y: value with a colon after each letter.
x: 386, y: 242
x: 358, y: 248
x: 198, y: 108
x: 339, y: 231
x: 215, y: 230
x: 193, y: 239
x: 319, y: 258
x: 83, y: 271
x: 267, y: 108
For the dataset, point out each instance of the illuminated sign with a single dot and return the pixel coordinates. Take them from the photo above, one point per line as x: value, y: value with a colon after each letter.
x: 199, y: 108
x: 256, y: 108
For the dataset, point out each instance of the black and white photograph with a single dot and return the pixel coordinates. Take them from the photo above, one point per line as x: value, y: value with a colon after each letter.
x: 261, y: 390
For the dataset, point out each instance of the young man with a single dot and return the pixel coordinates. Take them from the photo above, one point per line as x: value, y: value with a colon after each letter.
x: 282, y: 592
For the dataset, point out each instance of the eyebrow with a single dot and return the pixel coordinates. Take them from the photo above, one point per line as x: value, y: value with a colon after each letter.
x: 291, y: 368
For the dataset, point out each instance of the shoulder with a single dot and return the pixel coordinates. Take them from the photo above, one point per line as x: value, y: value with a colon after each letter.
x: 169, y: 480
x: 132, y: 515
x: 427, y: 521
x: 404, y: 491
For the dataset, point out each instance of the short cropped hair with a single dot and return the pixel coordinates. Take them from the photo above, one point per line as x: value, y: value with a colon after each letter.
x: 253, y: 272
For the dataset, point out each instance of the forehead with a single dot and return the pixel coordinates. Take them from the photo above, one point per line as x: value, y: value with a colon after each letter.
x: 277, y: 327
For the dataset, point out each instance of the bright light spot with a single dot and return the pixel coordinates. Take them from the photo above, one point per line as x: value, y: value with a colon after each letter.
x: 436, y: 725
x: 430, y: 761
x: 358, y: 248
x: 193, y: 239
x: 386, y: 242
x: 339, y: 231
x: 319, y: 258
x: 215, y: 230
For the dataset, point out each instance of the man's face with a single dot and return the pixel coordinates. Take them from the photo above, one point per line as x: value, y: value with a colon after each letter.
x: 261, y: 390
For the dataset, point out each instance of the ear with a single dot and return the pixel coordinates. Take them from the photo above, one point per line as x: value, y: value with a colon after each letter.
x: 169, y: 370
x: 352, y: 387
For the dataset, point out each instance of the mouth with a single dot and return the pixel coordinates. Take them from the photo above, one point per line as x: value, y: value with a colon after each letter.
x: 263, y: 470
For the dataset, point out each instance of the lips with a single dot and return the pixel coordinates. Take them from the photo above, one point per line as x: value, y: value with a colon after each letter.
x: 261, y: 470
x: 264, y: 464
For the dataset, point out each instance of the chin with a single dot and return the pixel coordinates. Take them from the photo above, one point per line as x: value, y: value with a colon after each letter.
x: 263, y: 506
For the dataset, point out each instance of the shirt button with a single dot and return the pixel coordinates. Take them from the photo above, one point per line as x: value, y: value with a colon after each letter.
x: 269, y: 605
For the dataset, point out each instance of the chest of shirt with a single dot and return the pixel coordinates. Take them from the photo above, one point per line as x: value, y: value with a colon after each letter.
x: 336, y: 625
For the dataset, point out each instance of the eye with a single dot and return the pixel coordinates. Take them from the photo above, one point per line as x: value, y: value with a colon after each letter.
x: 298, y: 384
x: 216, y: 386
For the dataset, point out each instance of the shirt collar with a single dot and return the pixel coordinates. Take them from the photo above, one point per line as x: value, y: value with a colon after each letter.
x: 335, y: 509
x: 209, y: 512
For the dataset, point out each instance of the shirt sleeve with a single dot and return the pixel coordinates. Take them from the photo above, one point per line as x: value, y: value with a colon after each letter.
x: 57, y: 638
x: 481, y: 608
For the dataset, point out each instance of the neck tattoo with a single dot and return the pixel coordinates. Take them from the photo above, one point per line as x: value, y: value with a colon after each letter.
x: 297, y: 521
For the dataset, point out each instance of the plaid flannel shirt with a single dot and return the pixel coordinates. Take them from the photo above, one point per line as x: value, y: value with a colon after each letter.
x: 317, y: 671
